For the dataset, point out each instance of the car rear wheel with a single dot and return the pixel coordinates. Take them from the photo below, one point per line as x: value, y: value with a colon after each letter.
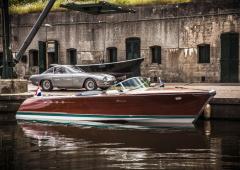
x: 90, y: 84
x: 47, y: 85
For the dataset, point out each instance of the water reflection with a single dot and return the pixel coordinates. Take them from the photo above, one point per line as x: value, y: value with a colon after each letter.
x: 210, y: 145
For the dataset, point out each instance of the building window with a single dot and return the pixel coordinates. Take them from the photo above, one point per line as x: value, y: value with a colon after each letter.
x: 204, y: 53
x: 24, y: 59
x: 72, y: 56
x: 112, y: 54
x: 1, y: 63
x: 1, y: 59
x: 156, y: 54
x: 132, y: 48
x: 33, y: 58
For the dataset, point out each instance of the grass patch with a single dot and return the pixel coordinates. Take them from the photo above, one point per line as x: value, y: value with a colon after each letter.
x: 38, y: 5
x: 27, y: 8
x: 147, y: 2
x: 33, y: 7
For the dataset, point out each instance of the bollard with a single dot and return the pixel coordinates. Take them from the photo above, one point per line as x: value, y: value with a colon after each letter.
x: 207, y: 112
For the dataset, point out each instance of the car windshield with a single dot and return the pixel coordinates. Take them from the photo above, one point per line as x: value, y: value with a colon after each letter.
x: 49, y: 71
x: 131, y: 84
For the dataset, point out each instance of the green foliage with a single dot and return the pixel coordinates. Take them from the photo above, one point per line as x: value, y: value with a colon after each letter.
x: 35, y: 6
x: 137, y: 2
x: 29, y: 6
x: 21, y: 2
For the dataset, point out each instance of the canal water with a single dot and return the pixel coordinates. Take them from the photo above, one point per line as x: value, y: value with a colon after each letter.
x: 34, y: 146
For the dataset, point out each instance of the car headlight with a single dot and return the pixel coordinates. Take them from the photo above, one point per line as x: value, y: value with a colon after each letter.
x: 109, y: 78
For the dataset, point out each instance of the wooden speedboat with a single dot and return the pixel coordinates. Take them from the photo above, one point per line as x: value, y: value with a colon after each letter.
x: 132, y: 100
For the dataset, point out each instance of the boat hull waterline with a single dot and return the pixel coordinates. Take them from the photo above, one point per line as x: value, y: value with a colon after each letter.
x: 167, y: 108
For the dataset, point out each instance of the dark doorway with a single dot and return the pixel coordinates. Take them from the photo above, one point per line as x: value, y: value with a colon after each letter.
x: 72, y: 56
x: 33, y: 57
x: 1, y: 63
x: 112, y: 54
x: 42, y: 56
x: 52, y: 53
x: 132, y: 48
x: 24, y: 59
x: 229, y: 57
x: 50, y: 59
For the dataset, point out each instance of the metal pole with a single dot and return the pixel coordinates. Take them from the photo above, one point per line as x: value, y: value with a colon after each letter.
x: 178, y: 31
x: 7, y: 71
x: 34, y: 30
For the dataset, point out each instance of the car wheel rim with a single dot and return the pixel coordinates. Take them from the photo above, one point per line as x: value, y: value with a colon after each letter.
x: 46, y: 84
x: 90, y: 85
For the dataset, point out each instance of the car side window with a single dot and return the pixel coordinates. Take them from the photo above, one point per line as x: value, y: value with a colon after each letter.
x: 68, y: 71
x: 60, y: 70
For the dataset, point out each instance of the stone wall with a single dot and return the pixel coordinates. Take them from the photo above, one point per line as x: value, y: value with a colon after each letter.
x: 13, y: 86
x: 178, y: 29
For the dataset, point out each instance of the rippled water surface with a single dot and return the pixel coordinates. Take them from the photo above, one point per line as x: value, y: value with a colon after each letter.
x: 29, y: 145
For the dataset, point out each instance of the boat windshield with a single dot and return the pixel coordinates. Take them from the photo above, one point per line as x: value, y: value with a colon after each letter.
x: 131, y: 84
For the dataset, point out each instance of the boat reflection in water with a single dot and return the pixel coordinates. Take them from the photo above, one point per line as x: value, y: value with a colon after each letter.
x: 32, y: 145
x: 110, y: 146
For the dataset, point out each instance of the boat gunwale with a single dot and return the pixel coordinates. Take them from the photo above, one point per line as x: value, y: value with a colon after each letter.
x: 125, y: 94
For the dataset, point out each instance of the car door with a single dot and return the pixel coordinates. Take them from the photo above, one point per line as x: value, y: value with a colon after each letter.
x: 78, y: 79
x: 62, y: 78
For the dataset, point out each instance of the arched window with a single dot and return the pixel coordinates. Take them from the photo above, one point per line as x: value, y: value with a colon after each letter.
x: 156, y: 54
x: 132, y: 48
x: 204, y: 53
x: 112, y: 54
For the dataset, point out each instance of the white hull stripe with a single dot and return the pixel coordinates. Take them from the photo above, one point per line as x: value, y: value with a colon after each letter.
x: 91, y: 117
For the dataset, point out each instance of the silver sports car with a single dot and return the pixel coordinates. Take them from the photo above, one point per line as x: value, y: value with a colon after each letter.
x: 68, y: 76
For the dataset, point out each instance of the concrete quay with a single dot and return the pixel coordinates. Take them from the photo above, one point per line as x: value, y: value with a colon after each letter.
x: 225, y: 105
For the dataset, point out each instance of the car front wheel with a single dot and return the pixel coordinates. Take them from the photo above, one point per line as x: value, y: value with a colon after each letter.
x: 46, y: 85
x: 90, y: 84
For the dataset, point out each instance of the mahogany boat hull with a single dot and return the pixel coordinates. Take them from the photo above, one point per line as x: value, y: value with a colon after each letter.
x: 166, y: 108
